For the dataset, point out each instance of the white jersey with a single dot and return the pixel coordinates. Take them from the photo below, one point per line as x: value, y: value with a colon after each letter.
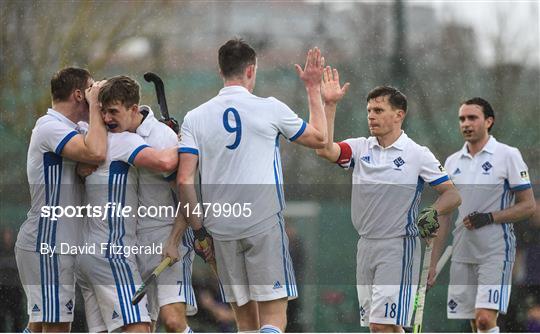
x: 387, y: 184
x: 236, y: 135
x: 154, y: 188
x: 487, y: 183
x: 53, y: 182
x: 114, y: 182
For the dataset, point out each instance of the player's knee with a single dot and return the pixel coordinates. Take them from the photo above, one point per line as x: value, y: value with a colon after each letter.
x: 381, y: 328
x: 175, y: 324
x: 485, y: 321
x: 35, y: 327
x: 57, y: 327
x: 140, y: 327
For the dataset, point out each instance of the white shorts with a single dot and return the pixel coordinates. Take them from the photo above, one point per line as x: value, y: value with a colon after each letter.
x: 173, y: 285
x: 113, y: 283
x: 387, y: 276
x: 94, y: 320
x: 49, y: 284
x: 474, y: 286
x: 257, y: 268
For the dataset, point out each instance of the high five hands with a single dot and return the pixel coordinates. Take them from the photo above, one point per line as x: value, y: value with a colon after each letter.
x: 331, y: 90
x: 312, y: 72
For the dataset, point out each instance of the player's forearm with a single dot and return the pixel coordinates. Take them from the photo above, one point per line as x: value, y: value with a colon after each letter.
x: 168, y: 159
x: 317, y: 119
x: 96, y: 138
x: 329, y: 152
x: 523, y: 209
x: 188, y: 204
x: 178, y: 230
x: 439, y: 242
x: 448, y: 200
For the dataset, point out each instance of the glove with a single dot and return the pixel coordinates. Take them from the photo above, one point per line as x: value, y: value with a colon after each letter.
x: 427, y: 222
x: 171, y: 123
x: 478, y: 219
x: 203, y: 244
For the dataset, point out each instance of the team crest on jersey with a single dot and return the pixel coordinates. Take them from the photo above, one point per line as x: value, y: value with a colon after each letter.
x: 452, y: 305
x: 69, y: 306
x: 366, y: 158
x: 114, y: 315
x: 486, y: 167
x: 277, y: 285
x: 524, y: 175
x: 398, y: 162
x: 457, y: 171
x: 35, y: 308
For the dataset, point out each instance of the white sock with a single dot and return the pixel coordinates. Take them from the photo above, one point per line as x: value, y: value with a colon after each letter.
x: 269, y: 329
x: 493, y: 330
x: 188, y: 330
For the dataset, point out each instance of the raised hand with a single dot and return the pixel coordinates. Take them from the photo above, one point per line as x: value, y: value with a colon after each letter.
x: 92, y: 92
x: 312, y: 72
x: 331, y: 90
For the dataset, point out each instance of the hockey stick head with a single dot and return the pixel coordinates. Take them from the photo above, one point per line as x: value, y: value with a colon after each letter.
x: 141, y: 292
x: 154, y: 78
x: 160, y: 93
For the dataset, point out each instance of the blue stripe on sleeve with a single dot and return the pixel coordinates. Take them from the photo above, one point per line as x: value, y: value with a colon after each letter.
x: 188, y: 150
x: 64, y: 141
x: 439, y: 181
x: 521, y: 187
x: 134, y: 154
x: 300, y: 132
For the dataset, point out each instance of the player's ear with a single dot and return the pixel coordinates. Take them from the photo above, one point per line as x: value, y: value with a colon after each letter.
x: 134, y: 108
x: 221, y: 74
x: 250, y: 71
x: 400, y: 114
x: 489, y: 122
x: 78, y: 95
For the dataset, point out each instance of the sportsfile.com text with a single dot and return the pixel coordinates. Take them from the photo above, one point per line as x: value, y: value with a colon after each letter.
x: 116, y: 210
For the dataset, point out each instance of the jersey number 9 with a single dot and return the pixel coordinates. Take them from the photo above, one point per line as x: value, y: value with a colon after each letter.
x: 237, y: 128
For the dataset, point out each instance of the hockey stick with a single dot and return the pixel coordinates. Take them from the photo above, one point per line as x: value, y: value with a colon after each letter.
x: 204, y: 245
x: 420, y: 299
x: 141, y: 292
x: 421, y: 294
x: 162, y: 101
x: 442, y: 261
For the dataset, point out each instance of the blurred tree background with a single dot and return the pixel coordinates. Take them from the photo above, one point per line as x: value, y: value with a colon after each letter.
x: 431, y: 55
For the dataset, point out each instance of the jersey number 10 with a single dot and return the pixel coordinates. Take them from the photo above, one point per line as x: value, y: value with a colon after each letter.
x: 233, y: 129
